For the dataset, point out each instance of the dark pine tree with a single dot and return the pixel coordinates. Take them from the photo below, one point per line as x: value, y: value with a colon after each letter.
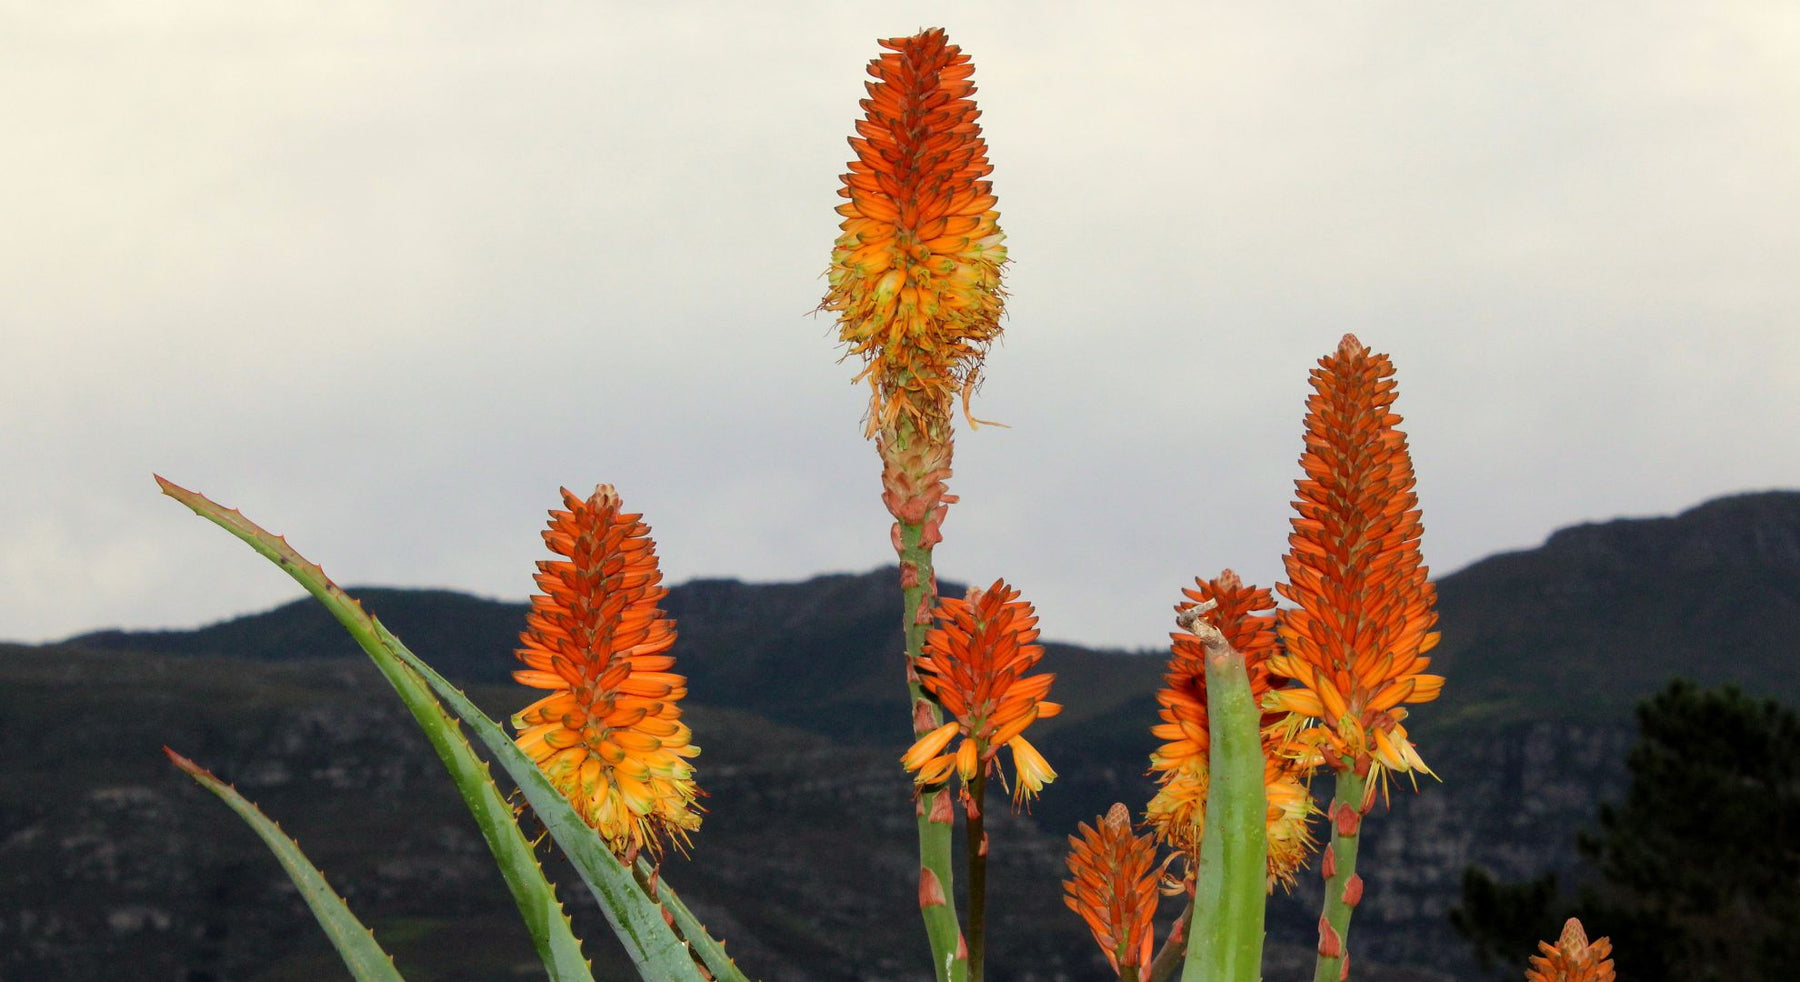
x: 1696, y: 874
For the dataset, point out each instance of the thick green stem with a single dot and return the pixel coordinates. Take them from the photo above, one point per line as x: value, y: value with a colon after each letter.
x: 976, y: 841
x: 949, y: 956
x: 1232, y: 889
x: 1343, y: 888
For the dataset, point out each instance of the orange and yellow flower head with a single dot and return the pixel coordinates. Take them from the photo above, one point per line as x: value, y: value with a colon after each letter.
x: 1178, y: 811
x: 915, y: 274
x: 975, y: 664
x: 1572, y: 958
x: 1112, y: 885
x: 609, y: 735
x: 1356, y: 643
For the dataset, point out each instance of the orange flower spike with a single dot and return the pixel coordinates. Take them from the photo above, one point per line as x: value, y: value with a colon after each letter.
x: 915, y: 274
x: 609, y: 735
x: 1178, y: 810
x: 1113, y: 887
x: 1572, y: 958
x: 974, y: 664
x: 1356, y: 643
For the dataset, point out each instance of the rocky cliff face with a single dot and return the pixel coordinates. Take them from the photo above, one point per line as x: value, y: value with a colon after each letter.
x: 1511, y: 801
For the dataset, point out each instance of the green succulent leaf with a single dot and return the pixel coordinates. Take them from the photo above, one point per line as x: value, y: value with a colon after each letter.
x: 1225, y: 940
x: 711, y: 951
x: 361, y: 954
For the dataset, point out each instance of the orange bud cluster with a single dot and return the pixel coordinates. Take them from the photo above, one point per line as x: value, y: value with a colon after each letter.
x: 974, y: 664
x: 1357, y: 642
x: 1112, y: 886
x: 915, y: 274
x: 610, y: 735
x: 1572, y: 958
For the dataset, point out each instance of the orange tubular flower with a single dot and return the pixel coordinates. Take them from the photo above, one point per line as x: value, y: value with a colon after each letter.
x: 1572, y: 958
x: 609, y: 736
x: 1178, y: 812
x: 974, y: 664
x: 1356, y: 644
x: 915, y: 276
x: 1112, y: 885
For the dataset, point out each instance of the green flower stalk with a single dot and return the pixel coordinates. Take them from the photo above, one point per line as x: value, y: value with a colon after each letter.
x: 1356, y: 643
x: 915, y: 283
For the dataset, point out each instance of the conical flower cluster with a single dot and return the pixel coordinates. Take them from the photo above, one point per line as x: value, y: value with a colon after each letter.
x: 974, y: 664
x: 609, y: 735
x: 1572, y: 958
x: 915, y: 275
x: 1112, y: 886
x: 1356, y: 645
x: 1178, y: 812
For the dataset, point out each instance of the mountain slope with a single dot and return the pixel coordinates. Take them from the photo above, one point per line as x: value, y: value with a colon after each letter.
x: 1545, y: 650
x: 1603, y: 615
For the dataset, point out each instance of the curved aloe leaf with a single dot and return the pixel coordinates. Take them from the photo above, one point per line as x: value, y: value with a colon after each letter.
x: 536, y: 899
x: 544, y: 917
x: 710, y: 950
x: 648, y: 939
x: 361, y: 954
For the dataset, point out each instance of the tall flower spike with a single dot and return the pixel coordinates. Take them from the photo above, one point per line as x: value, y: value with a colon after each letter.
x: 1356, y: 643
x: 609, y: 735
x: 1572, y: 958
x: 1112, y: 886
x: 1178, y: 811
x: 974, y: 663
x: 915, y: 275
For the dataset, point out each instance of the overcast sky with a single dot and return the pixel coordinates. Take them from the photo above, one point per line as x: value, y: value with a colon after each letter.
x: 385, y: 276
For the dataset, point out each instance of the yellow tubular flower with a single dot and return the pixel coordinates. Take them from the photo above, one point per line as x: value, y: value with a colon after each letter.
x: 975, y: 663
x: 609, y: 735
x: 1178, y: 811
x: 1357, y: 642
x: 915, y: 274
x: 1112, y: 885
x: 1572, y: 958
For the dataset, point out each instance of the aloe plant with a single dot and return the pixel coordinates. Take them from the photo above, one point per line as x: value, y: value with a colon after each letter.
x: 639, y: 923
x: 1255, y: 703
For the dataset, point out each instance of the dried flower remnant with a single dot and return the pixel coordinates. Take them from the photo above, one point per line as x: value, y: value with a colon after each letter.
x: 1357, y: 642
x: 609, y: 735
x: 1178, y: 811
x: 1112, y: 885
x: 975, y: 664
x: 1572, y: 958
x: 915, y: 274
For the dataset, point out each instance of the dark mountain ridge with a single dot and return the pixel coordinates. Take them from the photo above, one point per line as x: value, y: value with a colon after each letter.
x: 1546, y: 650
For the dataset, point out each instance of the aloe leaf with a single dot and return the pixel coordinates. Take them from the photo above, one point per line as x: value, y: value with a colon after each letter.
x: 544, y: 917
x: 711, y: 951
x: 1225, y: 940
x: 637, y: 921
x: 361, y: 954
